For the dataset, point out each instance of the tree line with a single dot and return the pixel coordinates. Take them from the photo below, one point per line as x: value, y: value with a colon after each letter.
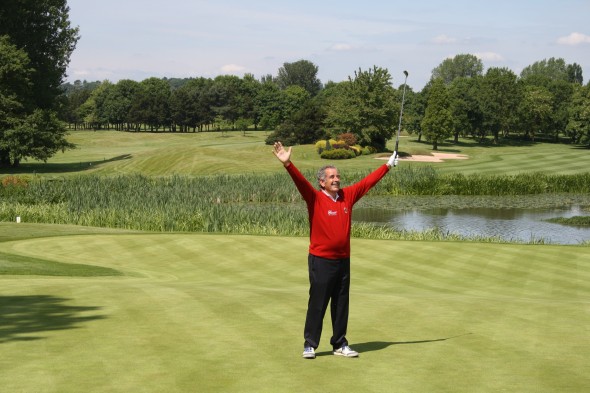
x: 548, y: 100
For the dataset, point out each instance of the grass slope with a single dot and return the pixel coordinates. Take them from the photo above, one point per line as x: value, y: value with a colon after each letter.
x: 113, y: 152
x: 18, y: 265
x: 11, y: 264
x: 225, y: 313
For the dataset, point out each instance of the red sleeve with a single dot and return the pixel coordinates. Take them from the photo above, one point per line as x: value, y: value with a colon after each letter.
x: 357, y: 190
x: 306, y: 189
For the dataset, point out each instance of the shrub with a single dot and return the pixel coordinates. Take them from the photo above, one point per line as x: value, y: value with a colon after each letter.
x: 340, y: 146
x: 348, y: 138
x: 356, y: 149
x: 338, y: 154
x: 323, y: 144
x: 369, y: 150
x: 13, y: 187
x: 320, y: 146
x: 14, y: 181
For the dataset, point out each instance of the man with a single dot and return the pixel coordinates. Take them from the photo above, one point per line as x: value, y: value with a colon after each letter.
x: 330, y: 212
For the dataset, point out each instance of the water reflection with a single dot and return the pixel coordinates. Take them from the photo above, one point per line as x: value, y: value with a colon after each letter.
x: 509, y: 223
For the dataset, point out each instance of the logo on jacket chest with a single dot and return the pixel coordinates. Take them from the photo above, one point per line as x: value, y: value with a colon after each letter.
x: 333, y: 213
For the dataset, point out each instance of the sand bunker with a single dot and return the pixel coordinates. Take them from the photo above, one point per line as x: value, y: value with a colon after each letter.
x: 435, y: 157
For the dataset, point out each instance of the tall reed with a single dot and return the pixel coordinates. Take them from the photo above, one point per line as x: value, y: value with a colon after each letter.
x: 246, y: 203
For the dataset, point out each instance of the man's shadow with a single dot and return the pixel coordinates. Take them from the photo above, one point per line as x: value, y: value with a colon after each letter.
x: 379, y: 345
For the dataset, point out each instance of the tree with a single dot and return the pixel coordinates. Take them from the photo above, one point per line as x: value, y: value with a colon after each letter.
x: 561, y: 94
x: 248, y: 93
x: 418, y: 110
x: 467, y: 116
x: 42, y: 29
x: 152, y: 104
x: 558, y: 78
x: 74, y: 101
x: 98, y: 109
x: 190, y: 105
x: 574, y: 73
x: 498, y: 96
x: 181, y: 109
x: 294, y: 98
x: 304, y: 126
x: 121, y: 100
x: 40, y: 135
x: 555, y: 69
x: 301, y: 73
x: 36, y: 42
x: 535, y: 109
x: 15, y: 72
x: 365, y: 106
x: 72, y: 107
x: 269, y: 107
x: 15, y: 76
x: 225, y: 94
x: 437, y: 124
x: 460, y: 66
x: 578, y: 127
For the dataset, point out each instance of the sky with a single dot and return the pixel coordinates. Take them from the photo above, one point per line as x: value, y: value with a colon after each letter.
x: 139, y: 39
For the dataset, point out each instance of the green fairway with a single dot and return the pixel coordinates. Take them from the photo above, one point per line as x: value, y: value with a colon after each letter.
x: 193, y: 312
x: 114, y: 152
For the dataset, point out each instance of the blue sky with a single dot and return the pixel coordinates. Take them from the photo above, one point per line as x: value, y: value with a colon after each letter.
x: 137, y: 39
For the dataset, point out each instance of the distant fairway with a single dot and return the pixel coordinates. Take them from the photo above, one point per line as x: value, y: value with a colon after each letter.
x: 225, y: 313
x: 114, y: 152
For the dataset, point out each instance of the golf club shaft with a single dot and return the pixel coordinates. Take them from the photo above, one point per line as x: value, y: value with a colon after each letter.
x: 401, y: 113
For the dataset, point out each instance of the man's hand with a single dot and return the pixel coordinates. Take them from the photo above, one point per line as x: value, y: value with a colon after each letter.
x: 392, y: 160
x: 283, y: 155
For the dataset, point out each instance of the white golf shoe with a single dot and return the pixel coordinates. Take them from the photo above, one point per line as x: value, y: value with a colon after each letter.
x: 346, y: 351
x: 308, y: 353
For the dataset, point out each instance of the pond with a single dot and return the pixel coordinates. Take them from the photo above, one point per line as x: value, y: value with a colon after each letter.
x: 514, y: 224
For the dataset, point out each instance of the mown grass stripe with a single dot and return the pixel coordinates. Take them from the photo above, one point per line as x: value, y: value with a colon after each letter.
x: 508, y: 271
x: 17, y: 265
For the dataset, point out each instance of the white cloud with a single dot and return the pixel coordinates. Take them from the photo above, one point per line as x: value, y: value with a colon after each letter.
x: 232, y: 68
x: 341, y: 47
x: 81, y: 73
x: 444, y: 39
x: 489, y: 56
x: 574, y: 39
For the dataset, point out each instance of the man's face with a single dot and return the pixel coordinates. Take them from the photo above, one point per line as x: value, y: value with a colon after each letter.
x: 332, y: 182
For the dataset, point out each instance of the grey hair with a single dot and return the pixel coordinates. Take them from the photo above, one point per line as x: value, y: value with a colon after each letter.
x: 322, y: 173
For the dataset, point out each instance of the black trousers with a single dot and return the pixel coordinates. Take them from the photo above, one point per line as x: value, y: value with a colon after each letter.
x: 329, y: 282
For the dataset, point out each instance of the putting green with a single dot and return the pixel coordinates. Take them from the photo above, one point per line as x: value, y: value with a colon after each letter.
x: 196, y: 312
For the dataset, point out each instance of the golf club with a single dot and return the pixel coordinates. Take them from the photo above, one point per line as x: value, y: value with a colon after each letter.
x: 401, y: 113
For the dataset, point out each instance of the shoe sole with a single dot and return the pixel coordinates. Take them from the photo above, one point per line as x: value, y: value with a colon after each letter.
x: 308, y: 356
x: 346, y: 356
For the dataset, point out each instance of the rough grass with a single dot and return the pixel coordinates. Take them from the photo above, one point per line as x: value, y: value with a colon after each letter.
x: 221, y: 313
x: 576, y: 221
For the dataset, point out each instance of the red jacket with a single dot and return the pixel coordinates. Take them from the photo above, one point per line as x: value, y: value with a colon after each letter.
x: 330, y: 220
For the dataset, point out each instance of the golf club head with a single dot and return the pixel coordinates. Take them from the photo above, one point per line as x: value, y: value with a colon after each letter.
x: 406, y: 73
